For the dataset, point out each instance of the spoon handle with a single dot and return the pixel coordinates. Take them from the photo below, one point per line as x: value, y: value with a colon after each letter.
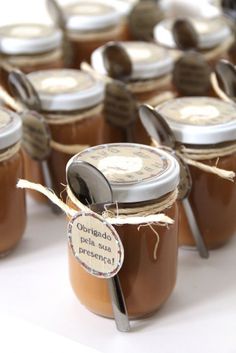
x: 118, y: 304
x: 48, y: 183
x: 129, y: 134
x: 200, y: 243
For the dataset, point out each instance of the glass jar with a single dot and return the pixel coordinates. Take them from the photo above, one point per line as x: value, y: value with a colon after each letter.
x: 206, y: 128
x: 71, y: 103
x: 150, y: 81
x: 139, y: 176
x: 29, y: 47
x: 214, y: 37
x: 90, y: 25
x: 12, y: 210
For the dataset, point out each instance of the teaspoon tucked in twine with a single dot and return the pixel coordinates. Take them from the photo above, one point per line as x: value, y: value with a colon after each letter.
x: 26, y: 94
x: 191, y: 74
x: 157, y: 128
x: 119, y: 67
x: 92, y: 188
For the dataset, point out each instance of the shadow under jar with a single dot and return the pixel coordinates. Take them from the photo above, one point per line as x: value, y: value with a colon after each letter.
x: 29, y: 47
x: 149, y: 82
x: 206, y: 130
x: 12, y: 210
x: 71, y: 103
x: 139, y: 176
x: 90, y: 25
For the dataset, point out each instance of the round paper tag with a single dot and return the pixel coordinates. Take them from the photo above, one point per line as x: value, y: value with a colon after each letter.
x: 95, y: 244
x: 36, y: 135
x: 191, y: 75
x: 120, y: 106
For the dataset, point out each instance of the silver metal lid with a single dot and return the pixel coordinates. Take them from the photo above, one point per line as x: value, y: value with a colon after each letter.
x: 200, y: 120
x: 29, y: 38
x: 66, y: 89
x: 135, y: 172
x: 148, y: 60
x: 89, y: 16
x: 211, y: 32
x: 10, y: 128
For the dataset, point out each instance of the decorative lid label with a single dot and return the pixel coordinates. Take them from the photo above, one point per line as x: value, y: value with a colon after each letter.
x: 129, y: 163
x: 56, y: 82
x: 199, y: 111
x: 96, y: 245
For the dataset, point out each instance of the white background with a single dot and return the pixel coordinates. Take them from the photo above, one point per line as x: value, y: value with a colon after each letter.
x: 39, y: 312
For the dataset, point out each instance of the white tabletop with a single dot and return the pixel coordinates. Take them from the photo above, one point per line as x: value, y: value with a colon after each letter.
x: 38, y: 305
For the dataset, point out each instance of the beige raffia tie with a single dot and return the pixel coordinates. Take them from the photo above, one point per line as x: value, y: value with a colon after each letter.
x: 67, y: 149
x: 10, y: 152
x: 218, y: 90
x: 192, y: 157
x: 219, y: 50
x: 142, y: 216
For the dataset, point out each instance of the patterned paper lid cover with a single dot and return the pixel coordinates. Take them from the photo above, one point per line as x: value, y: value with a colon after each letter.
x: 200, y: 120
x: 89, y: 16
x: 66, y: 89
x: 211, y: 32
x: 148, y: 60
x: 10, y: 128
x: 136, y: 172
x: 26, y: 38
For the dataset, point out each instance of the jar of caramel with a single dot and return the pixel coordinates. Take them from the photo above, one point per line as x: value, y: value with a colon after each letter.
x: 12, y: 210
x: 143, y: 181
x: 205, y: 129
x: 214, y: 37
x: 71, y: 104
x: 149, y: 82
x: 29, y: 47
x: 90, y: 25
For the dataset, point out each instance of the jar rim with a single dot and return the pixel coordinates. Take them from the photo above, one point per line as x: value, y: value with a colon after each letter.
x: 148, y: 60
x: 200, y: 120
x: 82, y: 16
x: 29, y: 38
x: 153, y: 172
x: 10, y: 128
x: 66, y: 89
x: 211, y: 32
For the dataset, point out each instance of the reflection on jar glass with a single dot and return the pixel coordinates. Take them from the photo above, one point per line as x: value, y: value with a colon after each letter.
x: 72, y: 103
x: 149, y: 82
x: 146, y: 178
x: 206, y: 128
x: 12, y: 210
x: 29, y: 47
x: 90, y: 25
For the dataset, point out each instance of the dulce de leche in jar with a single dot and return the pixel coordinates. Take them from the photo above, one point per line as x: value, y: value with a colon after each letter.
x: 149, y: 82
x: 143, y: 180
x: 12, y: 210
x: 71, y: 104
x: 205, y: 129
x: 91, y: 24
x: 29, y: 47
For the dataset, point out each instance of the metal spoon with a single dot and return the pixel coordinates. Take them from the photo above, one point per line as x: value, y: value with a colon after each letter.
x: 185, y: 35
x: 92, y: 188
x: 226, y: 75
x: 191, y: 74
x: 117, y: 61
x: 58, y: 18
x: 25, y: 92
x: 158, y: 128
x: 119, y: 67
